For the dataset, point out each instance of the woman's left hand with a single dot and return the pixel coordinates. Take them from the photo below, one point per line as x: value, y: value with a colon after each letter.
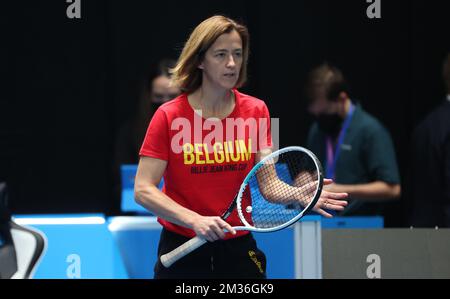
x: 330, y: 201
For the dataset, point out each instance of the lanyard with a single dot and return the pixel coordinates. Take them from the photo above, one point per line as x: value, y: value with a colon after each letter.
x: 332, y: 155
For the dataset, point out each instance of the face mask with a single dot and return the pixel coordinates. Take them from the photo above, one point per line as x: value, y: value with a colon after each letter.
x: 330, y: 123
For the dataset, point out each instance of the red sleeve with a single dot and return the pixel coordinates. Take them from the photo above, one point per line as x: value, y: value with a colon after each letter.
x: 156, y: 142
x: 265, y: 136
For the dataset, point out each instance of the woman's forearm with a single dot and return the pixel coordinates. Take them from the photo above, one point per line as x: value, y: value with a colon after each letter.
x: 163, y: 206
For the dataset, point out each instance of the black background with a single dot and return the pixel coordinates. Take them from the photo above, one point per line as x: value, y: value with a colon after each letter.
x: 69, y: 84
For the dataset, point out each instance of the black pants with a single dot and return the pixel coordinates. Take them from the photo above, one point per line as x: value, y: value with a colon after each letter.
x: 237, y: 258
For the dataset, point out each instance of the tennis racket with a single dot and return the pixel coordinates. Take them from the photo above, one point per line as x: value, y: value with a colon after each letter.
x: 277, y: 192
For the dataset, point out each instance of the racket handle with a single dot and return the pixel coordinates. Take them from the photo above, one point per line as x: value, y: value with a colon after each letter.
x: 171, y: 257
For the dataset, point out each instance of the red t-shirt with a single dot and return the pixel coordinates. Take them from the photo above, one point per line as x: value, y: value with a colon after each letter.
x: 207, y: 159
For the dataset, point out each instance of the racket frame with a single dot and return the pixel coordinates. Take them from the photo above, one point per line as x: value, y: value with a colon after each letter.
x: 312, y: 203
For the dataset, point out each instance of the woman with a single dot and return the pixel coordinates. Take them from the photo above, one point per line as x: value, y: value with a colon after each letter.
x: 203, y: 171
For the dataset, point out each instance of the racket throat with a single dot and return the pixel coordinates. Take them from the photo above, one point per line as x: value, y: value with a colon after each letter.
x: 230, y: 208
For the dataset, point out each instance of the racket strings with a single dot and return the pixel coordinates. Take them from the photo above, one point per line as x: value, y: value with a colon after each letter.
x: 280, y: 190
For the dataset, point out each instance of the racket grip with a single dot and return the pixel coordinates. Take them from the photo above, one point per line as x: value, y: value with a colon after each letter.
x: 171, y: 257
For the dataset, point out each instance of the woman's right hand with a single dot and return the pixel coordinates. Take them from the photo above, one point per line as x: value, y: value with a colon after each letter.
x: 211, y: 228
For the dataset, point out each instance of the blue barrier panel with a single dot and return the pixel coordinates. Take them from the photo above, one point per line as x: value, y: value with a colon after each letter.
x: 128, y: 203
x: 78, y: 246
x: 137, y: 238
x: 353, y: 222
x: 87, y: 246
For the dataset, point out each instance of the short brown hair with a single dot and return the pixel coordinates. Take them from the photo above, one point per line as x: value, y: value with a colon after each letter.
x: 327, y: 78
x: 186, y: 73
x: 446, y: 72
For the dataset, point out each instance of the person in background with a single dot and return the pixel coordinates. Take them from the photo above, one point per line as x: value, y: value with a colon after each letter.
x: 429, y: 184
x: 354, y: 147
x: 157, y: 89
